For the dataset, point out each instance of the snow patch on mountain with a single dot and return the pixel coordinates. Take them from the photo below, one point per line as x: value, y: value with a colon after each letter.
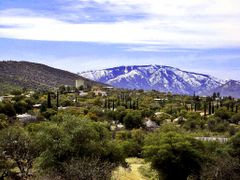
x: 161, y: 78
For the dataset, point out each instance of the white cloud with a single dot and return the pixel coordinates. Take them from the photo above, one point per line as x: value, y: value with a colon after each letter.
x: 198, y: 23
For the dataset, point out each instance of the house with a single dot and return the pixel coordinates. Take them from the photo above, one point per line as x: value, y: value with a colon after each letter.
x: 100, y: 93
x: 37, y: 106
x: 79, y: 83
x: 82, y: 93
x: 6, y: 98
x: 25, y: 118
x: 151, y: 125
x: 62, y: 108
x: 161, y: 99
x: 108, y: 87
x: 179, y: 119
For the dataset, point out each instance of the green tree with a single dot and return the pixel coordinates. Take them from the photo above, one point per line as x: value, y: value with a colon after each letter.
x: 9, y: 110
x: 3, y: 121
x: 133, y: 119
x: 235, y: 145
x: 235, y: 118
x: 21, y: 107
x: 68, y: 138
x: 17, y: 150
x: 173, y: 155
x: 223, y: 113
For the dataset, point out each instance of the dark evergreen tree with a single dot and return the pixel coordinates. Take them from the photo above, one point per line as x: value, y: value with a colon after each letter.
x: 209, y: 107
x: 49, y: 104
x: 57, y: 99
x: 113, y: 104
x: 205, y: 108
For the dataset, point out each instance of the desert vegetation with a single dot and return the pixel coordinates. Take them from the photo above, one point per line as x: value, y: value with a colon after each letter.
x: 116, y: 133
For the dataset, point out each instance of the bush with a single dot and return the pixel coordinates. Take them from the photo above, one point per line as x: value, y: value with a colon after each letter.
x: 235, y: 118
x: 70, y: 138
x: 223, y: 113
x: 133, y: 119
x: 49, y: 113
x: 173, y: 155
x: 3, y: 121
x: 17, y: 151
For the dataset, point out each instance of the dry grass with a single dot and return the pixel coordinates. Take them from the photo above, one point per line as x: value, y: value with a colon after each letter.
x: 136, y: 165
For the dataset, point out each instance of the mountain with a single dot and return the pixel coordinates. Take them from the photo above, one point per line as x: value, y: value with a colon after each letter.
x: 23, y: 74
x: 161, y: 78
x: 230, y: 88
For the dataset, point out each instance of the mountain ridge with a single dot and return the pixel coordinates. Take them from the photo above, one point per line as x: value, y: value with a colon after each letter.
x: 24, y: 74
x: 158, y: 77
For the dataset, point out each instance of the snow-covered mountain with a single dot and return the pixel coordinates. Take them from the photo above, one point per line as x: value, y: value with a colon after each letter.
x: 157, y: 77
x: 230, y: 88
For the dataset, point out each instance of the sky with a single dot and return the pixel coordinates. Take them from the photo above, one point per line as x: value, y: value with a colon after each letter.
x: 79, y: 35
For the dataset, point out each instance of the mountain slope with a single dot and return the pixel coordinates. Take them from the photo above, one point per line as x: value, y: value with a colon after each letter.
x: 161, y: 78
x: 34, y: 76
x: 230, y: 88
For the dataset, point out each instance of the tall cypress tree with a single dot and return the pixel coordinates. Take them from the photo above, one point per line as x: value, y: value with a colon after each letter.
x: 49, y: 100
x: 57, y: 99
x: 205, y: 108
x: 113, y: 104
x: 209, y: 107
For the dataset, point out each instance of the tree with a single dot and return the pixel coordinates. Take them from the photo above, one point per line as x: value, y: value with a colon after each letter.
x: 9, y: 110
x: 173, y: 155
x: 49, y: 113
x: 17, y: 150
x: 220, y: 165
x: 235, y: 145
x: 223, y: 114
x: 235, y: 118
x: 3, y: 121
x: 21, y: 107
x: 223, y: 168
x: 133, y: 119
x: 68, y: 138
x: 49, y: 104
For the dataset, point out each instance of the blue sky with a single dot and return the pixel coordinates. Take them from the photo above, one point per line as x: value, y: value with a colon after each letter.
x: 79, y: 35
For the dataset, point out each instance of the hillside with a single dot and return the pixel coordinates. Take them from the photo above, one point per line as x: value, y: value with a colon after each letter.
x: 23, y: 74
x: 161, y: 78
x: 230, y: 88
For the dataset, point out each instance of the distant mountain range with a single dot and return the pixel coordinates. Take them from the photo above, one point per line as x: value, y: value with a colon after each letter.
x: 165, y: 79
x: 23, y: 74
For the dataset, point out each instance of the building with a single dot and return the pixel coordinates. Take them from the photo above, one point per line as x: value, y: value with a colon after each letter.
x: 6, y: 98
x: 150, y: 125
x: 79, y: 83
x: 37, y: 106
x: 25, y: 118
x: 82, y: 93
x: 100, y: 93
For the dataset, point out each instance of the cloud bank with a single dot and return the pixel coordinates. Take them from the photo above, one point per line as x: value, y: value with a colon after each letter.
x: 181, y: 23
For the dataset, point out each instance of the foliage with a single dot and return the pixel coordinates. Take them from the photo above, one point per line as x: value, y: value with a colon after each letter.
x: 7, y: 109
x: 235, y: 145
x: 223, y: 114
x: 223, y: 168
x: 235, y: 118
x: 133, y: 119
x: 49, y: 113
x: 71, y: 137
x: 173, y: 155
x: 3, y: 121
x: 17, y: 150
